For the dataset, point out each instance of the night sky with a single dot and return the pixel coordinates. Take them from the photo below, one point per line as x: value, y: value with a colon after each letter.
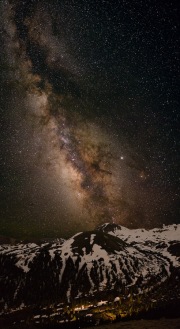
x: 89, y: 115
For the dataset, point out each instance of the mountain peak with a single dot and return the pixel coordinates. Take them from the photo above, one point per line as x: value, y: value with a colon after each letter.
x: 110, y: 259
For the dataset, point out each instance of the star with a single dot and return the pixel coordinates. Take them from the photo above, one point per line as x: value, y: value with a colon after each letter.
x: 89, y: 115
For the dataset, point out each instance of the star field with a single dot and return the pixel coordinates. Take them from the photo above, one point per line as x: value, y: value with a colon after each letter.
x: 89, y: 115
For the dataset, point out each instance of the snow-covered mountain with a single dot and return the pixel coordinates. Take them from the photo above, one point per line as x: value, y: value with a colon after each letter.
x: 164, y: 240
x: 110, y: 259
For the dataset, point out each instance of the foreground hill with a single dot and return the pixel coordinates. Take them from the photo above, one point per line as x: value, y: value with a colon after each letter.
x: 111, y: 261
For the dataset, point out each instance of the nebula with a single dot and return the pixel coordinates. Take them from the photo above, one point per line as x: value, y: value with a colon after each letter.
x: 74, y: 164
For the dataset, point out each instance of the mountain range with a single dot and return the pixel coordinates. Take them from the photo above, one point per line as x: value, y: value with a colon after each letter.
x: 109, y: 261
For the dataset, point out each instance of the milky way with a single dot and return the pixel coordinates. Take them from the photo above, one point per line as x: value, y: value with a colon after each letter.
x: 82, y: 142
